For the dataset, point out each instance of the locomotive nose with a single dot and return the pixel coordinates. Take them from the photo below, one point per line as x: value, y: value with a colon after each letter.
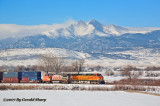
x: 101, y: 78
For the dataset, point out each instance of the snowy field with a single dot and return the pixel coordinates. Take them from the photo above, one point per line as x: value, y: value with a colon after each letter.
x: 28, y: 56
x: 76, y: 98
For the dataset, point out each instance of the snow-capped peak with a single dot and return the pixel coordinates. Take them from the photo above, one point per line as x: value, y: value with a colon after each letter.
x: 80, y: 22
x: 93, y: 22
x: 98, y: 26
x: 92, y: 27
x: 115, y: 30
x: 69, y: 29
x: 80, y: 29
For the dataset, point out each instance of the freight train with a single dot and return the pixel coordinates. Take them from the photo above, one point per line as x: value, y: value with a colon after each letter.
x: 37, y: 77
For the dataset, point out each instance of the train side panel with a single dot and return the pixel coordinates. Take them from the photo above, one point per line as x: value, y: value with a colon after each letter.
x: 11, y: 77
x: 92, y: 78
x: 46, y: 78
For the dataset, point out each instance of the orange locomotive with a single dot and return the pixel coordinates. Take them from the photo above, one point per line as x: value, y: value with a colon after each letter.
x: 86, y: 78
x: 75, y: 78
x: 47, y: 78
x: 54, y: 78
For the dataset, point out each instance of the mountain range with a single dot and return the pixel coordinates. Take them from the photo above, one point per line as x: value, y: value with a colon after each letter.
x: 90, y: 37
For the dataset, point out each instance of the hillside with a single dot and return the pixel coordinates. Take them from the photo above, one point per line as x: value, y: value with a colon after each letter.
x: 28, y: 56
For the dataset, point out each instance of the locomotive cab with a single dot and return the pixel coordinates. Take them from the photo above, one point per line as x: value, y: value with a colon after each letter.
x: 47, y: 78
x: 100, y: 78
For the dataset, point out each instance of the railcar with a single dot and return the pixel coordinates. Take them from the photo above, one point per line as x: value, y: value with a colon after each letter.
x: 86, y: 78
x: 31, y: 77
x: 47, y: 78
x: 11, y: 77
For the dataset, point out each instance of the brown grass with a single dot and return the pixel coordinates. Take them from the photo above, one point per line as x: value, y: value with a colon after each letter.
x: 135, y: 81
x: 76, y: 87
x: 134, y: 89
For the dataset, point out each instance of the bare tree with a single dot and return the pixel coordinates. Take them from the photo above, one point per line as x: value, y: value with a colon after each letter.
x: 130, y: 72
x: 127, y: 72
x: 98, y: 68
x: 77, y: 66
x: 51, y: 63
x: 3, y: 69
x: 109, y: 72
x: 81, y: 64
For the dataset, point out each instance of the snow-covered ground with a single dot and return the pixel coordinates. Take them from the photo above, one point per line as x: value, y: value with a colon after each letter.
x: 29, y: 56
x: 117, y: 76
x: 112, y: 78
x: 77, y: 98
x: 139, y: 57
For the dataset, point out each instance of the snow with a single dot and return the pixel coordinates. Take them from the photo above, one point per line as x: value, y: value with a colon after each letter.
x: 68, y: 29
x: 78, y: 98
x: 112, y: 78
x: 138, y: 57
x: 93, y: 27
x: 30, y: 51
x: 80, y: 28
x: 29, y: 56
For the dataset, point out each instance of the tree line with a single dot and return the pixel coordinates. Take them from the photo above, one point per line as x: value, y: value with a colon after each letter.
x: 51, y: 63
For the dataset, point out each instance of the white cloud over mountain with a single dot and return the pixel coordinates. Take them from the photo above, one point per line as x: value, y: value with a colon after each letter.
x: 69, y: 28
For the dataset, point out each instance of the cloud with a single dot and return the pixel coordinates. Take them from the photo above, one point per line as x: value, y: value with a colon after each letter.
x: 19, y: 31
x: 69, y: 21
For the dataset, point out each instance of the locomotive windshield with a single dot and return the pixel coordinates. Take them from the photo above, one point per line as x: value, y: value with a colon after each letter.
x: 99, y: 75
